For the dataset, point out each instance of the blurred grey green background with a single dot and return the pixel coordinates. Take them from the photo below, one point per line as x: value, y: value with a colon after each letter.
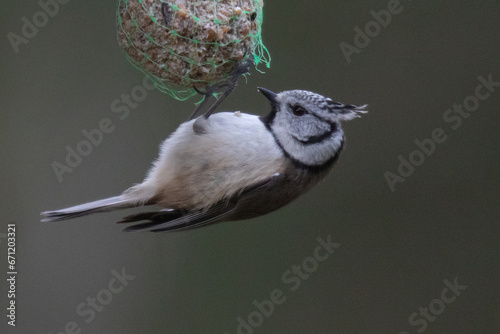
x: 397, y: 248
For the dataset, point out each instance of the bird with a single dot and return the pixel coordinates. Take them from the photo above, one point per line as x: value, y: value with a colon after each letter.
x: 233, y: 165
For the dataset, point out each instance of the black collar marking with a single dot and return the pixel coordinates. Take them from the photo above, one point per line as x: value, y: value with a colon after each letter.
x: 269, y: 118
x: 310, y: 168
x: 320, y: 138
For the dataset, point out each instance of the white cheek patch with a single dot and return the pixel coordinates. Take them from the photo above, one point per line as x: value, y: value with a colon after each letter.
x: 307, y: 127
x: 314, y: 154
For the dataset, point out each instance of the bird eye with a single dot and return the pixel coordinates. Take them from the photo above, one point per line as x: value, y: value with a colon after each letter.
x: 253, y: 16
x: 298, y: 110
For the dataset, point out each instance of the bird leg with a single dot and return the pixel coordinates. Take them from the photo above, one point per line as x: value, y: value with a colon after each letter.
x: 225, y: 88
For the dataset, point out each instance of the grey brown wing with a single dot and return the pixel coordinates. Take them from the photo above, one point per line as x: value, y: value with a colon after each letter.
x: 240, y: 206
x: 167, y: 221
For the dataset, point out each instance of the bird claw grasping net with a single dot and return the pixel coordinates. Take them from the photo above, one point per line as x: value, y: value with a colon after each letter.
x: 225, y: 88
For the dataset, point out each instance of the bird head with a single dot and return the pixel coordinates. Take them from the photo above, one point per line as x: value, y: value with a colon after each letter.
x: 308, y: 125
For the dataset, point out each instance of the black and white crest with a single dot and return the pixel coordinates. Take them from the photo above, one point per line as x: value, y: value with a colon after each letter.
x: 344, y: 112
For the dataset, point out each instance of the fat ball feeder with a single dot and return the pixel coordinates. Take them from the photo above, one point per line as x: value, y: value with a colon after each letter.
x: 193, y: 46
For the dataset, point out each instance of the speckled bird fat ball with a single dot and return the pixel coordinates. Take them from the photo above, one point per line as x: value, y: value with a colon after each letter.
x: 182, y: 44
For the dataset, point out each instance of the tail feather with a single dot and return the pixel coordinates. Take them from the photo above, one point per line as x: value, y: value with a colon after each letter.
x: 155, y: 217
x: 103, y: 205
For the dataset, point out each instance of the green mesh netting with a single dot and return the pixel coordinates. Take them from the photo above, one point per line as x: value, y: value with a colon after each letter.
x: 181, y: 44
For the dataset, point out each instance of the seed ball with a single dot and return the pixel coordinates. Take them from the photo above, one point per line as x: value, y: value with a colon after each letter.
x: 183, y: 44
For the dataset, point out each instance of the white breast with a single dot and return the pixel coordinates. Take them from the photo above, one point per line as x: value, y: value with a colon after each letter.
x: 197, y: 170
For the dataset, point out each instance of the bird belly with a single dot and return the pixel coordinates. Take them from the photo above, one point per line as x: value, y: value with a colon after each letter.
x: 196, y: 171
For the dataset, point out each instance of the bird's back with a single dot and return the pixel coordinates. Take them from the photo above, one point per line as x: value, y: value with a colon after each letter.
x: 230, y: 152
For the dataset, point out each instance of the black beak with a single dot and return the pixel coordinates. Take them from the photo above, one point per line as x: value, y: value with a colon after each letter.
x: 269, y: 95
